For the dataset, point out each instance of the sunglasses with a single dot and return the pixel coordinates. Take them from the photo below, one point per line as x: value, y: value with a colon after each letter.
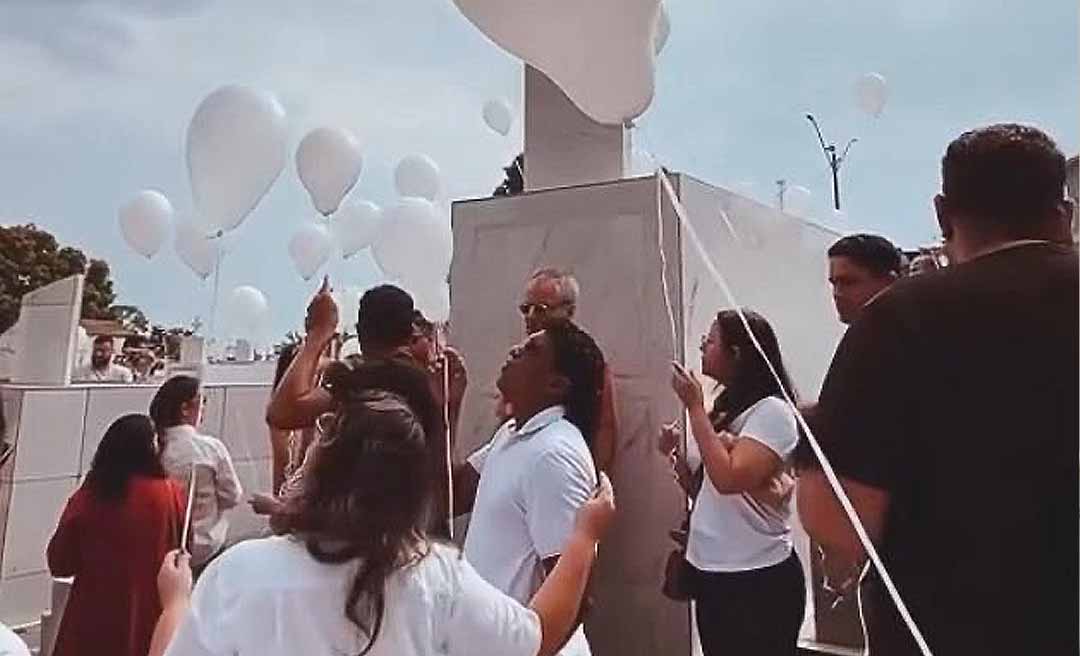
x: 539, y: 308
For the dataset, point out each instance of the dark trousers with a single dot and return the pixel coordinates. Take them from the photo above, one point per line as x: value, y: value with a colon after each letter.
x: 756, y: 612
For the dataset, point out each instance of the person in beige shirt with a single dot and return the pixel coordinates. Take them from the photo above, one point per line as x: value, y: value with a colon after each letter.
x: 177, y: 412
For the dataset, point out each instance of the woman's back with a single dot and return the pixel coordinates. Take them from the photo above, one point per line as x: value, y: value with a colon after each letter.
x: 269, y: 596
x: 217, y: 486
x: 114, y: 548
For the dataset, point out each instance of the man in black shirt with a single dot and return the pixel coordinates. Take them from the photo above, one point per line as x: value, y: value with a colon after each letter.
x: 386, y: 326
x: 860, y: 268
x: 950, y: 413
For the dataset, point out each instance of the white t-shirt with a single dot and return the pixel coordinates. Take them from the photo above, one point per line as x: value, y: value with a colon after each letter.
x: 735, y: 532
x: 217, y: 487
x: 114, y: 373
x: 269, y: 597
x: 532, y: 483
x: 11, y: 644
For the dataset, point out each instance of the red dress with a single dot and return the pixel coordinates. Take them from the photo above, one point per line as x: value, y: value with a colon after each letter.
x: 114, y: 550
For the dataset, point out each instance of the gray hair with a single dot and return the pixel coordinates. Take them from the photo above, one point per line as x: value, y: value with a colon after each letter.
x: 566, y: 283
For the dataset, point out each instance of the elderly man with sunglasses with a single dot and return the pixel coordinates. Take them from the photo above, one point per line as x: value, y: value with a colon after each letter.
x: 551, y: 296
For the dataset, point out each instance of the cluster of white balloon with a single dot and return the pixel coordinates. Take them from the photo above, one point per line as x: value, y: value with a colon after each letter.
x: 236, y: 149
x: 411, y: 240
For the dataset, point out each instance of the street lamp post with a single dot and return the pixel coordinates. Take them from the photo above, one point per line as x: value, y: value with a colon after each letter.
x: 833, y: 159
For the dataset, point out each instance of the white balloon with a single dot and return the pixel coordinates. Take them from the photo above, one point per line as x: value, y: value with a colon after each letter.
x: 236, y: 148
x: 247, y: 312
x: 797, y: 201
x: 196, y: 249
x: 309, y: 249
x: 348, y: 302
x: 663, y: 31
x: 418, y: 175
x: 355, y: 226
x: 145, y: 221
x: 498, y: 116
x: 329, y: 162
x: 599, y: 52
x: 871, y: 93
x: 415, y: 242
x: 432, y: 299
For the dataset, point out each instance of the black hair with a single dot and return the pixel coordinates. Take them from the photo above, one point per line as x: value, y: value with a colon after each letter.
x: 166, y: 407
x: 363, y: 498
x: 423, y: 325
x: 1006, y: 175
x: 129, y: 448
x: 579, y: 359
x: 874, y: 253
x: 358, y: 377
x: 385, y: 317
x: 752, y: 381
x: 103, y: 339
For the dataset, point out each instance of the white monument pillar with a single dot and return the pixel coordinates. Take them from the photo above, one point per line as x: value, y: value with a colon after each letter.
x: 563, y: 146
x: 46, y: 333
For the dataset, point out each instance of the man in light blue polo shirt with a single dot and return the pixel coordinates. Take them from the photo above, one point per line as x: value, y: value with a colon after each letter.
x: 525, y: 486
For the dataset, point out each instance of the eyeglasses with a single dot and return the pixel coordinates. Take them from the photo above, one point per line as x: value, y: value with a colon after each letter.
x: 540, y: 308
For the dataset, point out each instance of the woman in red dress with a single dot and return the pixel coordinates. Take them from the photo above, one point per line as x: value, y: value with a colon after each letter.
x: 112, y: 537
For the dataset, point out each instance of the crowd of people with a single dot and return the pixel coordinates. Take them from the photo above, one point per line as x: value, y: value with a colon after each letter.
x: 140, y: 364
x: 949, y: 413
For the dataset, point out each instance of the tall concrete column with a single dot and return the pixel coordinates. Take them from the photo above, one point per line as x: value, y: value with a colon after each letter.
x: 563, y: 146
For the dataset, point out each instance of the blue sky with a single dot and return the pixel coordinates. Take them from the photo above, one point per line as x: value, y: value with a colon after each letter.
x: 95, y: 96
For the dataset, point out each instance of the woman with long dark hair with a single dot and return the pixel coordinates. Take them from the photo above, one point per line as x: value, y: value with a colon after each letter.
x: 746, y: 578
x: 177, y: 409
x: 358, y: 575
x: 112, y: 536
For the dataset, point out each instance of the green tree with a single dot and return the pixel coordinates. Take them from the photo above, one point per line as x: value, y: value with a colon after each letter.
x: 130, y: 317
x: 31, y: 257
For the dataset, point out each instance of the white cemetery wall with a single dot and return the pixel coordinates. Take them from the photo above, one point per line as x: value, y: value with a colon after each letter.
x: 56, y: 431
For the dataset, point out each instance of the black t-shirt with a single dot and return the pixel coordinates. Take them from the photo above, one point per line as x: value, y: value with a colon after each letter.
x: 399, y: 374
x: 957, y: 392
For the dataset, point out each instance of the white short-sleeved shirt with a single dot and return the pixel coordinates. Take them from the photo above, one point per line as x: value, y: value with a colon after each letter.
x: 11, y: 644
x: 734, y: 532
x: 217, y: 487
x: 532, y: 482
x: 114, y: 373
x: 269, y: 597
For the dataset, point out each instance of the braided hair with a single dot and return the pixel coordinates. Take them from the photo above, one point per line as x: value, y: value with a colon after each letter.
x: 579, y: 359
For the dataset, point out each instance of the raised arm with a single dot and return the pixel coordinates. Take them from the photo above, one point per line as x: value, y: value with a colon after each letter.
x: 559, y: 600
x: 745, y: 466
x: 298, y: 400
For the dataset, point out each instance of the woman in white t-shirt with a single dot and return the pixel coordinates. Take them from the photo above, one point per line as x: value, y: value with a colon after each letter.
x: 748, y: 584
x: 356, y: 574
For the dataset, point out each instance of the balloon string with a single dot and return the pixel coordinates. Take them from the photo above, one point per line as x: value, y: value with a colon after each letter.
x: 217, y: 289
x: 521, y: 170
x: 440, y: 348
x: 827, y: 469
